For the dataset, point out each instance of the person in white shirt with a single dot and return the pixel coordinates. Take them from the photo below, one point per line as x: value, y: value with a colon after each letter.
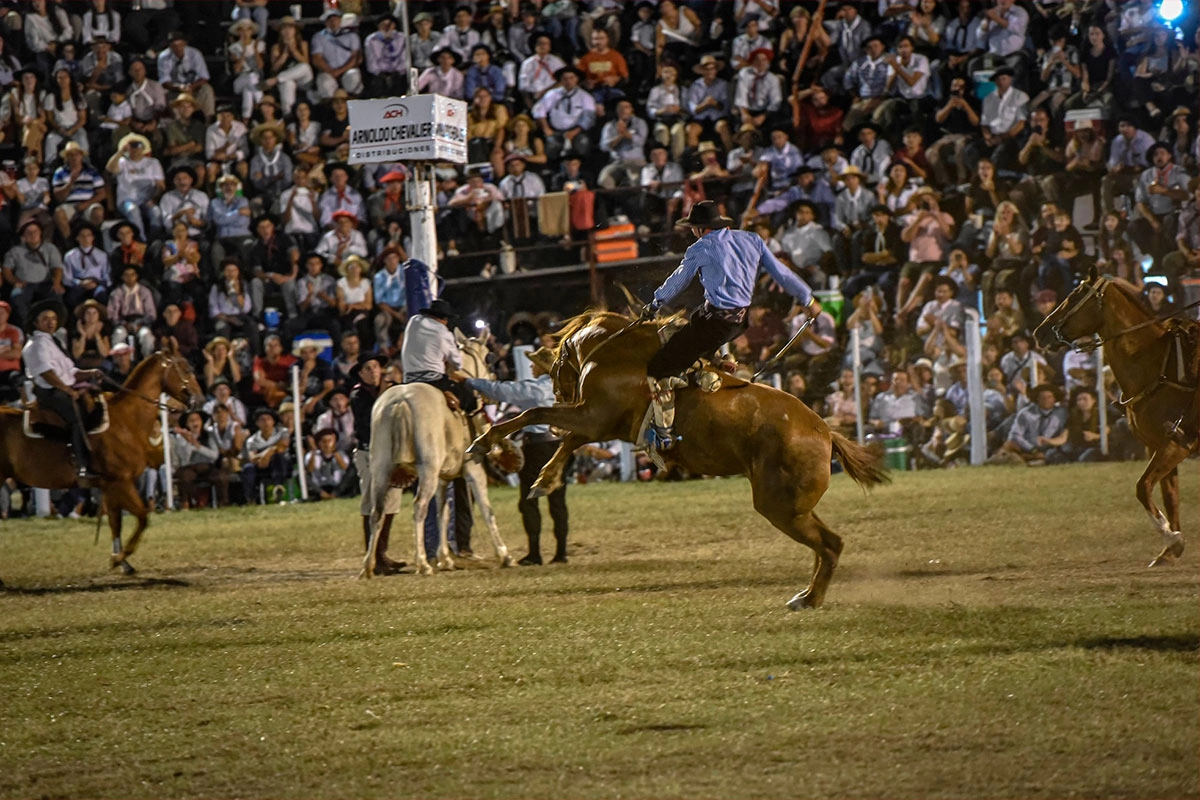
x: 336, y: 55
x: 757, y: 92
x: 140, y: 181
x: 1005, y: 113
x: 460, y: 37
x: 184, y: 202
x: 662, y: 181
x: 445, y: 78
x: 225, y: 144
x: 54, y: 376
x: 537, y: 72
x: 624, y: 139
x: 520, y: 183
x: 430, y: 355
x: 565, y: 114
x: 908, y: 82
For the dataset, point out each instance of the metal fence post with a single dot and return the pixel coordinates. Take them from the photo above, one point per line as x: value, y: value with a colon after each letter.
x: 296, y: 431
x: 168, y: 469
x: 977, y: 413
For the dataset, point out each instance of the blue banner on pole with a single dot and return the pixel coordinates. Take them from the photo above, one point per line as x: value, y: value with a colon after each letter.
x: 419, y: 289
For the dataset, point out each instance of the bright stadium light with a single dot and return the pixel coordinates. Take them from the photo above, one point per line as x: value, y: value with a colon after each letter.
x: 480, y: 324
x: 1170, y: 10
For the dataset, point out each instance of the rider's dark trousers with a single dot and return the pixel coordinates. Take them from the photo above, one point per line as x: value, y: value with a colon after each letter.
x: 705, y: 332
x: 62, y: 404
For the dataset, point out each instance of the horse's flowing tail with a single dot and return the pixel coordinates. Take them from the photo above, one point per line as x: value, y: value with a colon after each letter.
x: 863, y: 464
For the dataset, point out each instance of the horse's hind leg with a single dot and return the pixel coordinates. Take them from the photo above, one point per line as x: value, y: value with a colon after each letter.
x: 1162, y: 464
x: 424, y: 497
x: 444, y: 559
x: 808, y: 529
x: 477, y: 481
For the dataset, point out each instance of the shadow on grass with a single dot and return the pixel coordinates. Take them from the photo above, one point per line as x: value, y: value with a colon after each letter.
x: 92, y: 588
x: 1170, y: 643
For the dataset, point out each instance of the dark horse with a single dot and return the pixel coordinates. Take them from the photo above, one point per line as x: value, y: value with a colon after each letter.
x: 119, y: 455
x: 1154, y: 364
x: 599, y: 372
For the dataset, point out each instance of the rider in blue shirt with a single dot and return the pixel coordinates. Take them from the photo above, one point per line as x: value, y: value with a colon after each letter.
x: 727, y: 262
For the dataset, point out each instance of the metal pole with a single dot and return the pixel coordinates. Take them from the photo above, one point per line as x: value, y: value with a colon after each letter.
x: 855, y: 344
x: 168, y: 469
x: 521, y: 364
x: 1101, y: 400
x: 976, y: 414
x: 409, y: 69
x: 41, y: 502
x: 422, y: 195
x: 296, y: 437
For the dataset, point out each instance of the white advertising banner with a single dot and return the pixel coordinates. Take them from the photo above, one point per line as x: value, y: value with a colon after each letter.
x: 423, y: 127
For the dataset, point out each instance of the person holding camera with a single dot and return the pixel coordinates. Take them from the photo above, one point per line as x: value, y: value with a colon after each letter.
x: 959, y: 121
x: 230, y: 306
x: 1005, y: 115
x: 928, y: 236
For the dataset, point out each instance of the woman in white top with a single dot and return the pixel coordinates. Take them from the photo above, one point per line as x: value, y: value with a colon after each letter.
x: 290, y: 68
x: 246, y: 63
x: 140, y: 182
x: 100, y: 20
x: 66, y: 113
x: 665, y: 109
x: 304, y: 135
x: 45, y: 29
x: 896, y: 191
x: 355, y: 298
x: 23, y: 107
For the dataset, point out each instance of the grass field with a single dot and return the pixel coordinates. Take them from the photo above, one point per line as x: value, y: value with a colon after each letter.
x: 989, y: 633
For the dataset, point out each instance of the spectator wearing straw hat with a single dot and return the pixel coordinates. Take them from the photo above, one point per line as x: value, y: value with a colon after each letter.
x: 140, y: 182
x: 229, y: 215
x: 336, y: 55
x: 270, y: 168
x: 183, y: 136
x: 78, y: 190
x: 246, y: 64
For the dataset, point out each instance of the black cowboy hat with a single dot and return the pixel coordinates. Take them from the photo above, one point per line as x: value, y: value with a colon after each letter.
x: 272, y: 413
x: 1150, y: 151
x: 178, y: 168
x: 704, y: 214
x: 49, y: 304
x: 454, y: 53
x: 438, y: 308
x: 1047, y: 387
x: 321, y: 434
x: 353, y: 375
x: 1004, y: 71
x: 568, y: 68
x: 124, y: 223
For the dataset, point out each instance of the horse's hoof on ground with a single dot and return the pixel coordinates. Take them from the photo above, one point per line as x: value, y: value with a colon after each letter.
x: 1169, y: 553
x: 127, y: 568
x: 507, y: 561
x: 364, y: 574
x: 801, y: 600
x: 424, y: 569
x: 446, y: 565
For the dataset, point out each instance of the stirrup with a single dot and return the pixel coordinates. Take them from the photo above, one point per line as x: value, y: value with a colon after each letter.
x: 661, y: 439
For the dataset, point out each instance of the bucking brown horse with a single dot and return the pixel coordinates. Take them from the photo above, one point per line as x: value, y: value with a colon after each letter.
x: 1154, y: 362
x: 120, y: 454
x: 599, y: 372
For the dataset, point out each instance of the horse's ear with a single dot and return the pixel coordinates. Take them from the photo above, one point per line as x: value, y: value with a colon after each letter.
x: 484, y: 333
x: 1093, y: 274
x: 459, y: 338
x: 171, y: 345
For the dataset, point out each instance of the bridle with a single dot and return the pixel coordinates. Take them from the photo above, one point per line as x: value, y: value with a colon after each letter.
x: 167, y: 362
x: 480, y: 365
x: 1094, y: 290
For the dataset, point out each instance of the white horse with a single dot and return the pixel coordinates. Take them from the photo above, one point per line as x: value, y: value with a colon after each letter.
x: 414, y: 434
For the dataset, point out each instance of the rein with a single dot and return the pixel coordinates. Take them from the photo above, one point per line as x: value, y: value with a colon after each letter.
x: 1097, y: 290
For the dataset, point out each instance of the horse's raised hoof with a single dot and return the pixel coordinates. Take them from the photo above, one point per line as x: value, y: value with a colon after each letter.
x: 801, y: 600
x: 478, y: 447
x: 1169, y: 553
x: 537, y: 490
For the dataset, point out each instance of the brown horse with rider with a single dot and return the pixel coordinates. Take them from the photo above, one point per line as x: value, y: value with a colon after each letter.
x: 1156, y: 362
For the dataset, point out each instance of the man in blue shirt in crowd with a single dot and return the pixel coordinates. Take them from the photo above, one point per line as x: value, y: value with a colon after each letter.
x: 727, y: 262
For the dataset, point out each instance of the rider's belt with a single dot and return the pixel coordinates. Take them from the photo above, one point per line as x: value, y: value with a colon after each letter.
x: 735, y: 316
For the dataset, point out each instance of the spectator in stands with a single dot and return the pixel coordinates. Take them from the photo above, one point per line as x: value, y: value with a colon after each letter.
x: 343, y: 240
x: 34, y: 270
x: 184, y: 203
x: 1187, y: 241
x: 566, y: 113
x: 230, y: 306
x: 225, y: 144
x: 385, y: 59
x: 1034, y: 428
x: 896, y: 190
x: 78, y: 190
x: 132, y: 312
x: 538, y: 71
x: 898, y: 407
x: 665, y: 109
x: 908, y: 75
x: 758, y: 92
x: 877, y: 253
x: 290, y: 66
x: 808, y: 245
x: 940, y: 323
x: 328, y: 466
x: 423, y: 41
x: 341, y: 196
x: 387, y: 288
x: 85, y: 269
x: 1161, y: 190
x: 316, y: 299
x: 624, y: 139
x: 1128, y: 158
x: 184, y: 135
x: 487, y: 121
x: 336, y: 55
x: 264, y: 457
x: 221, y: 365
x: 182, y: 68
x: 604, y: 70
x: 661, y: 179
x: 708, y: 104
x: 848, y: 32
x: 866, y: 81
x: 275, y: 260
x: 959, y: 124
x: 679, y: 31
x: 484, y: 74
x: 270, y: 168
x: 873, y: 155
x: 928, y: 235
x: 298, y: 209
x: 355, y: 300
x: 809, y: 187
x: 90, y: 340
x: 1004, y: 117
x: 445, y: 78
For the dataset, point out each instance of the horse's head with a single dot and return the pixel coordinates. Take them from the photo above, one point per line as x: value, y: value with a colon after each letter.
x: 475, y: 353
x: 1079, y: 316
x: 178, y: 380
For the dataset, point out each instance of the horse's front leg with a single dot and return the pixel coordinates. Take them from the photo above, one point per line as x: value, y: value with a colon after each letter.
x: 425, y: 496
x: 551, y: 475
x: 1162, y: 463
x: 444, y: 559
x: 476, y: 479
x: 115, y: 501
x: 532, y: 416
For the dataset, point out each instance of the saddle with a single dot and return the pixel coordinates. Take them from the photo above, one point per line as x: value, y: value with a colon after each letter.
x: 42, y: 423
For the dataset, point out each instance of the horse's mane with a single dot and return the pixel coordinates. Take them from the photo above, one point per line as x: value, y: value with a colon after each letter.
x: 144, y: 366
x: 1131, y: 293
x: 573, y: 325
